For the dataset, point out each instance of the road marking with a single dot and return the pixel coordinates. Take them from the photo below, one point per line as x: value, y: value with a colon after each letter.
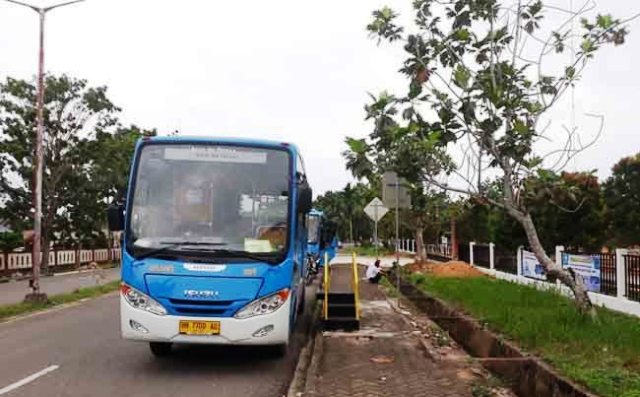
x: 28, y: 379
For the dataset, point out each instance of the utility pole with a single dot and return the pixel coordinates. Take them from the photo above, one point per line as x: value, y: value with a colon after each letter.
x: 36, y: 261
x: 397, y: 234
x: 375, y: 210
x: 375, y: 236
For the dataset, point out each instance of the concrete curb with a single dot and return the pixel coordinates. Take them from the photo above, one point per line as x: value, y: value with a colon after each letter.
x: 313, y: 369
x: 529, y: 376
x: 307, y: 357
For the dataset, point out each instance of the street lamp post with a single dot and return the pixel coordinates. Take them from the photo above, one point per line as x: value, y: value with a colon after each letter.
x: 397, y: 194
x: 36, y: 295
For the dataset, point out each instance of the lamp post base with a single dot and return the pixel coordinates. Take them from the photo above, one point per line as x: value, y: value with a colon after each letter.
x: 38, y: 298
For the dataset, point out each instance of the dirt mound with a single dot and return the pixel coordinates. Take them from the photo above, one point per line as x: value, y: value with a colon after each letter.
x: 447, y: 269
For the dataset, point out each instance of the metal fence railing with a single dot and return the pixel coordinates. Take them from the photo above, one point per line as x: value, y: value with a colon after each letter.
x: 506, y: 262
x: 608, y: 279
x: 464, y: 252
x: 490, y: 256
x: 632, y: 273
x: 481, y: 255
x: 439, y: 251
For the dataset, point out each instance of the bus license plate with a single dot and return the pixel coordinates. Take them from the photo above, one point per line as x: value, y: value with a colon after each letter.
x: 188, y: 327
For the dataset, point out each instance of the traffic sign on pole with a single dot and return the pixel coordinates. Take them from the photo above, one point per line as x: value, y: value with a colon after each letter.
x: 376, y: 209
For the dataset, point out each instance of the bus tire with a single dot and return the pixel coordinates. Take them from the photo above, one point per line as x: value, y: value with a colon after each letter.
x: 279, y: 350
x: 160, y: 349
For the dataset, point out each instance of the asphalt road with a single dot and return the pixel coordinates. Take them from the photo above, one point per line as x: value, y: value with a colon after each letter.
x: 84, y: 342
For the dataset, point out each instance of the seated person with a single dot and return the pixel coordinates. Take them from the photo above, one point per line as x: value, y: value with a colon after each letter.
x: 374, y: 272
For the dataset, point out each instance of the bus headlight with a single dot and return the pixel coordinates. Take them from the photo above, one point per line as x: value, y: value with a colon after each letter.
x: 266, y: 305
x: 141, y: 301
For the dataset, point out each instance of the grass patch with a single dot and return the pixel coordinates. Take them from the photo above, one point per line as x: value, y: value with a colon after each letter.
x: 602, y: 354
x: 388, y: 288
x: 7, y: 311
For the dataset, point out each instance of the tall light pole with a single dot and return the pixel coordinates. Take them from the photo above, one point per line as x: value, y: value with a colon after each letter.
x: 39, y: 157
x: 397, y: 194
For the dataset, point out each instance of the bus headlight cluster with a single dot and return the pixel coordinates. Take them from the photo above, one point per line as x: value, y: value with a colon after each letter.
x: 141, y: 301
x: 266, y: 305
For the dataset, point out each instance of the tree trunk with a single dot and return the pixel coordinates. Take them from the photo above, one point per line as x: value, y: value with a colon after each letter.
x: 421, y: 254
x: 47, y: 225
x: 576, y: 284
x: 44, y: 264
x: 351, y: 230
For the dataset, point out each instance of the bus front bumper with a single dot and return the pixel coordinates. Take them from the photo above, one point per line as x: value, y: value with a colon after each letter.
x: 268, y: 329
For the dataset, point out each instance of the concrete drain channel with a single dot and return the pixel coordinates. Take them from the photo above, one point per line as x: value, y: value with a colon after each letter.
x: 528, y: 375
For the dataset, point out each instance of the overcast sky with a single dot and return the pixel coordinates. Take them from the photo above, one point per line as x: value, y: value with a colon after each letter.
x: 296, y: 71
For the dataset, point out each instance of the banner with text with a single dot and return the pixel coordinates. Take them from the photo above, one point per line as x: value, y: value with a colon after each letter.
x: 585, y: 266
x: 531, y: 266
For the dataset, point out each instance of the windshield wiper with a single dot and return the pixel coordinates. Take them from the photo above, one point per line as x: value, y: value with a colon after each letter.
x: 172, y: 245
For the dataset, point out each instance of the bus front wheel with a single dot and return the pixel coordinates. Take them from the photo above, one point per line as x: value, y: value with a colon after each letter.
x: 278, y: 351
x: 160, y: 349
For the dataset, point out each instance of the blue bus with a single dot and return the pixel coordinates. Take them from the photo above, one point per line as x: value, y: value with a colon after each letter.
x: 314, y: 223
x: 322, y: 237
x: 214, y: 242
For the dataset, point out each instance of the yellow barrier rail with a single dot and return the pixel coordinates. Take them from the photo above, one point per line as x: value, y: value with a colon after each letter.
x: 356, y: 289
x: 325, y: 307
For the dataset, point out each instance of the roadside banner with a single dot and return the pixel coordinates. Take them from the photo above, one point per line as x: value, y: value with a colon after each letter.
x: 531, y: 267
x: 585, y: 266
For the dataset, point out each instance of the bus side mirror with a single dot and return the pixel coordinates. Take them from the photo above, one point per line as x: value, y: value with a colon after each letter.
x: 115, y: 217
x: 305, y: 199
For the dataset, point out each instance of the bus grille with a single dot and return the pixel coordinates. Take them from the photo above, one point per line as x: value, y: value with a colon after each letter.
x: 202, y: 308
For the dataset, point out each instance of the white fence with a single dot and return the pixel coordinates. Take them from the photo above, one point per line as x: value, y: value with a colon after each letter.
x: 23, y: 260
x: 440, y: 250
x: 620, y: 302
x: 622, y: 305
x: 483, y: 257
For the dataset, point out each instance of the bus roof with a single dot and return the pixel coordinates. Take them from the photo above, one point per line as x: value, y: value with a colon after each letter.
x: 228, y: 140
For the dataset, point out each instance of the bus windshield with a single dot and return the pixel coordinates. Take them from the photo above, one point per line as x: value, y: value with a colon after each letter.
x: 210, y: 198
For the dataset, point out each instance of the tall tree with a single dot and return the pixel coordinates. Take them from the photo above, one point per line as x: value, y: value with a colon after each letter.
x: 568, y: 209
x: 622, y: 197
x: 103, y: 180
x: 407, y: 150
x: 85, y: 153
x: 346, y: 208
x: 471, y: 74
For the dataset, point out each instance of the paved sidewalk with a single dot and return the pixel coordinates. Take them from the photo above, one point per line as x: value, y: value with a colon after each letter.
x: 14, y: 291
x: 385, y: 261
x: 395, y: 353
